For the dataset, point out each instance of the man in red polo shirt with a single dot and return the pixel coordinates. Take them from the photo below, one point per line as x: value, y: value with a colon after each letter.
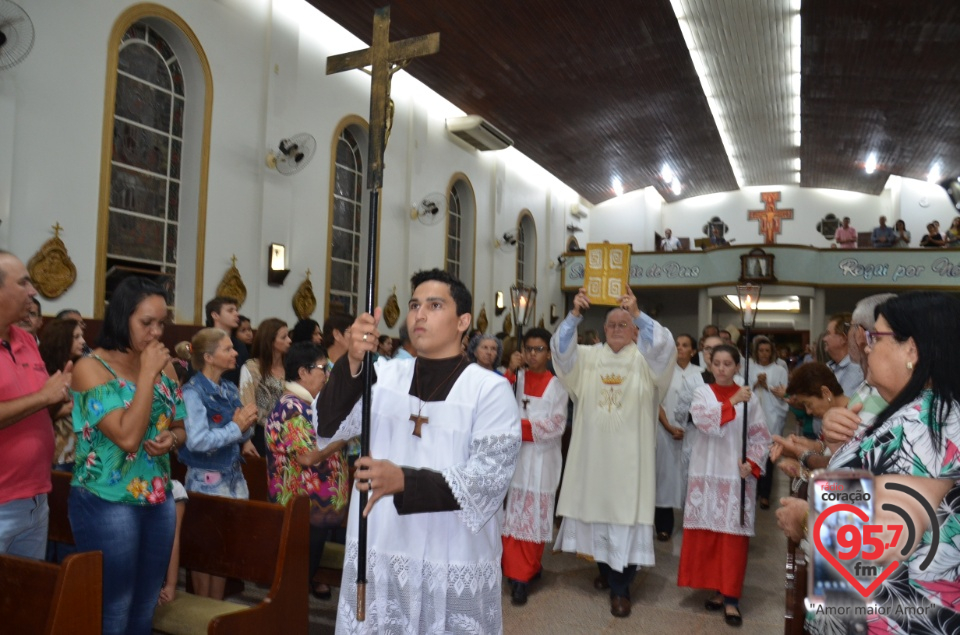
x: 27, y: 394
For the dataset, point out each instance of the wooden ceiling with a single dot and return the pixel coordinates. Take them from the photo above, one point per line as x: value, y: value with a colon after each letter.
x: 595, y: 90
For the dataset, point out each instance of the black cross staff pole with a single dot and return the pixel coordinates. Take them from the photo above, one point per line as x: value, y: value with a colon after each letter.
x: 384, y: 58
x: 743, y: 443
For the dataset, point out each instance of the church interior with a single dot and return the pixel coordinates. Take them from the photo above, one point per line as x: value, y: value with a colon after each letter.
x: 204, y: 143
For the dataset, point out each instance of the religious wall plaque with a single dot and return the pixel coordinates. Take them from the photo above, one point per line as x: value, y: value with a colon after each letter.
x: 757, y: 266
x: 607, y: 272
x: 51, y: 269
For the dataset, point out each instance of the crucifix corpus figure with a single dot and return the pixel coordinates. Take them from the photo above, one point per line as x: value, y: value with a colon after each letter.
x: 384, y: 59
x: 770, y: 217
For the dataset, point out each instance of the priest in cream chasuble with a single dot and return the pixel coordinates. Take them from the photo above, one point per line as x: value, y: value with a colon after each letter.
x: 608, y: 493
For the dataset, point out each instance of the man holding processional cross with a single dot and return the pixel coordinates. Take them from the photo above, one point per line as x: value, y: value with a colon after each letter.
x: 434, y: 553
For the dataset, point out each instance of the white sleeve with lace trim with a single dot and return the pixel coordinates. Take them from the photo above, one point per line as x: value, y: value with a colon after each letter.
x: 705, y: 411
x: 480, y: 484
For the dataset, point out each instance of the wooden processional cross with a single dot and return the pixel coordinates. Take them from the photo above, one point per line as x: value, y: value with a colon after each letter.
x: 384, y: 59
x: 770, y: 216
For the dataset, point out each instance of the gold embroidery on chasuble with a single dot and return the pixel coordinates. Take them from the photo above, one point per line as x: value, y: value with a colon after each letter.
x: 611, y: 395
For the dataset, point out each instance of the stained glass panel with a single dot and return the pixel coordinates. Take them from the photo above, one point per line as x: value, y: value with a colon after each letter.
x: 177, y: 74
x: 137, y: 192
x: 177, y: 128
x: 135, y: 237
x: 175, y: 159
x: 342, y: 213
x: 340, y: 277
x: 161, y: 45
x: 142, y: 103
x: 140, y: 60
x: 173, y: 204
x: 139, y: 147
x: 171, y: 243
x: 341, y: 245
x: 344, y: 154
x: 345, y: 182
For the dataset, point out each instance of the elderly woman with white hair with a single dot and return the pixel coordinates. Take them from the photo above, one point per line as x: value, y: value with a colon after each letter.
x: 485, y: 351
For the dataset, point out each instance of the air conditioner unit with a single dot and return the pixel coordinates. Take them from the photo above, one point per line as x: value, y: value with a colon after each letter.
x: 578, y: 211
x: 478, y: 133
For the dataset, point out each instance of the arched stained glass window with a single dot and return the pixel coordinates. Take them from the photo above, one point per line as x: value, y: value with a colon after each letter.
x: 345, y: 252
x: 145, y: 181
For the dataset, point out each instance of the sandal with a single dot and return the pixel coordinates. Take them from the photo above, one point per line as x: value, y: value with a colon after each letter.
x: 714, y: 604
x: 733, y: 619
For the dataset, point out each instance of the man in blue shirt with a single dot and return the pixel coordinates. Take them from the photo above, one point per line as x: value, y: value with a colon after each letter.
x: 883, y: 236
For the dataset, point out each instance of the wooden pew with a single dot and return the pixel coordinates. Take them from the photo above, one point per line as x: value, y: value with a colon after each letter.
x: 795, y: 583
x: 255, y: 473
x: 250, y: 540
x: 49, y: 599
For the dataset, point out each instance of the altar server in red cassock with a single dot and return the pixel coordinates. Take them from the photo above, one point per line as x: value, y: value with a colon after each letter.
x: 528, y: 525
x: 715, y: 544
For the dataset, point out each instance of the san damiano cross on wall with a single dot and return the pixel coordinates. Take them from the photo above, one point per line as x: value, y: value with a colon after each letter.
x: 384, y: 59
x: 770, y: 217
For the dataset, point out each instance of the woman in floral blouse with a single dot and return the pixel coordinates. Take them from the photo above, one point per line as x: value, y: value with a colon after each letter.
x: 294, y: 464
x: 120, y: 501
x: 913, y: 442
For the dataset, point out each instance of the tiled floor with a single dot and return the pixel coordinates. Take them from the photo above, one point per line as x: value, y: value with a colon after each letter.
x: 564, y: 600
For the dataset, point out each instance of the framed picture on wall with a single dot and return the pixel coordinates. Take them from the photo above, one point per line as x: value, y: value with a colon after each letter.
x: 757, y: 266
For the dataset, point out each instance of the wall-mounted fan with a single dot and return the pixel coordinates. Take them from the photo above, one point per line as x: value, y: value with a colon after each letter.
x: 507, y: 242
x: 16, y: 34
x: 430, y: 209
x: 293, y: 154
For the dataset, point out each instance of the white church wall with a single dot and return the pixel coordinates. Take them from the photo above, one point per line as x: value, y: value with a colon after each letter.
x: 922, y: 203
x: 622, y: 220
x: 688, y: 216
x: 268, y: 62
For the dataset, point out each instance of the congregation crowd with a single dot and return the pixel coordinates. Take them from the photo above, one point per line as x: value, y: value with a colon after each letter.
x: 845, y: 236
x: 465, y: 478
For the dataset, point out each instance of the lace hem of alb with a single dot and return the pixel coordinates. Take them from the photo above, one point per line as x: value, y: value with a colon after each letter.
x: 405, y: 595
x: 529, y: 515
x: 480, y: 484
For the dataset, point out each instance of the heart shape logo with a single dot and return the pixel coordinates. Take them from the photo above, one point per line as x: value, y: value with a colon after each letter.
x: 859, y: 513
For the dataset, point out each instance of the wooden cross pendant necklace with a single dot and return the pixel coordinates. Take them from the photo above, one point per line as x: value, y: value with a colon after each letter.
x: 418, y: 419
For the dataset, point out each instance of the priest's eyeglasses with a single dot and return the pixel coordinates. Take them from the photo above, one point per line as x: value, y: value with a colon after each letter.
x: 871, y: 336
x: 618, y: 325
x: 534, y: 349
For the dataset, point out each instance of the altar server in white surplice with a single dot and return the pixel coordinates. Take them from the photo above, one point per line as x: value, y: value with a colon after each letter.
x: 672, y: 461
x: 444, y: 439
x: 608, y: 490
x: 543, y: 417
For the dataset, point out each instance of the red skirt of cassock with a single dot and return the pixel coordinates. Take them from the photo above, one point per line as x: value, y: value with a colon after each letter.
x: 711, y: 560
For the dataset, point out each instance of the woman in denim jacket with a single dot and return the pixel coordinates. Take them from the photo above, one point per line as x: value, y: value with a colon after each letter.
x: 216, y: 425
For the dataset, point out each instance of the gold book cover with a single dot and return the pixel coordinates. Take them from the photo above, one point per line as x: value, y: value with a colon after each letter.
x: 607, y: 273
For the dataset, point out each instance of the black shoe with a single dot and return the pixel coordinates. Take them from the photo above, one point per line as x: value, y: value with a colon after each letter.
x: 519, y: 595
x: 713, y: 604
x: 663, y: 536
x: 734, y: 618
x: 321, y: 592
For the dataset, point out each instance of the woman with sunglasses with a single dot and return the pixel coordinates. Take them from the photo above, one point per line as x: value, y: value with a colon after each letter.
x: 295, y: 465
